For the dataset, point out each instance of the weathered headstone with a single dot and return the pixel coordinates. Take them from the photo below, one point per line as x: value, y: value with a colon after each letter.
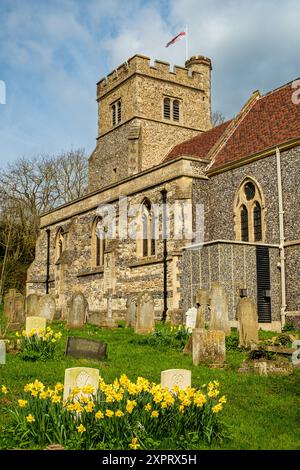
x: 46, y: 307
x: 78, y: 309
x: 86, y: 348
x: 144, y: 314
x: 190, y: 319
x: 32, y: 305
x: 219, y: 319
x: 248, y: 322
x: 14, y: 308
x: 80, y: 377
x: 202, y: 301
x: 208, y: 346
x: 180, y: 377
x: 131, y: 311
x: 37, y: 323
x: 2, y: 352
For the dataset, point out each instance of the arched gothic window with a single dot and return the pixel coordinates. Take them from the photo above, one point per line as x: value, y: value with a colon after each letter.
x: 148, y: 229
x: 249, y: 211
x: 99, y: 242
x: 59, y: 243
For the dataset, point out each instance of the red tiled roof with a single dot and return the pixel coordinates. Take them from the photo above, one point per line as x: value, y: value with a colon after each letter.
x: 272, y: 120
x: 198, y: 146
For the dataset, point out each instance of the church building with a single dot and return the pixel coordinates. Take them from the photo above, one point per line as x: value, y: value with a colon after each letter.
x: 158, y: 167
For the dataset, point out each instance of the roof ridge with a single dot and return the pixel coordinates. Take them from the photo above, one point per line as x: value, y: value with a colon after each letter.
x: 281, y: 87
x: 228, y: 133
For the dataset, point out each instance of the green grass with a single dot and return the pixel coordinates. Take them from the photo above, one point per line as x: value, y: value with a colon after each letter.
x: 261, y: 413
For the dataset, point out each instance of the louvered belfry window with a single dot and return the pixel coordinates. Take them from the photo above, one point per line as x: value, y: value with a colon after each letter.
x: 176, y: 110
x: 171, y: 109
x: 167, y: 108
x: 116, y: 113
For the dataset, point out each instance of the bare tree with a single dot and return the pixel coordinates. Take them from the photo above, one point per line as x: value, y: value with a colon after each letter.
x: 28, y: 188
x: 217, y: 118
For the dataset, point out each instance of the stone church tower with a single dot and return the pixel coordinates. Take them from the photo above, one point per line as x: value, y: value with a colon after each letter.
x: 143, y: 111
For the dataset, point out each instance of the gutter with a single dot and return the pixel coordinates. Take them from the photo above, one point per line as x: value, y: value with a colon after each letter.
x: 281, y: 239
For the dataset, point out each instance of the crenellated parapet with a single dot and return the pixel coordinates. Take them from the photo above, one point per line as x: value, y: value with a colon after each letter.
x: 192, y: 75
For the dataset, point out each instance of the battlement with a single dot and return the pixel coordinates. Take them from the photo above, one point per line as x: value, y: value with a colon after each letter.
x: 140, y: 64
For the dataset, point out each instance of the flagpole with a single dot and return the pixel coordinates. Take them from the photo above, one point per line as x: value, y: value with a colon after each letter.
x: 186, y: 43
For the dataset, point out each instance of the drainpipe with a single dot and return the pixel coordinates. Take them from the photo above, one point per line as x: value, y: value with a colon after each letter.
x: 48, y: 261
x: 282, y: 239
x: 165, y: 252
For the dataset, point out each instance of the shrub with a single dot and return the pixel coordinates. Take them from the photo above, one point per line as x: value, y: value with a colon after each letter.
x: 38, y: 344
x: 121, y: 415
x: 166, y: 336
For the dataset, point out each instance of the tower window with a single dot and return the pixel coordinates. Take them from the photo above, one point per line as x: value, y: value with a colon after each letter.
x: 176, y: 110
x: 171, y: 109
x: 167, y: 108
x: 116, y: 113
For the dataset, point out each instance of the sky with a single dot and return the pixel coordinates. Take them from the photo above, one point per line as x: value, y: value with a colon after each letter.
x: 52, y: 53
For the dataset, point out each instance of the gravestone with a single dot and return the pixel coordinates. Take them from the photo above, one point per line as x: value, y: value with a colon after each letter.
x: 37, y: 323
x: 32, y: 305
x: 202, y: 301
x: 208, y: 346
x: 14, y: 308
x: 2, y: 352
x: 144, y: 314
x: 190, y: 319
x: 46, y: 307
x: 131, y: 311
x: 80, y: 377
x: 248, y: 322
x: 86, y: 348
x: 180, y: 377
x: 77, y: 312
x: 219, y: 319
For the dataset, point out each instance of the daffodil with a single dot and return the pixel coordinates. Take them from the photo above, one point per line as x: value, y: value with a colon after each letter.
x: 22, y: 403
x: 4, y: 389
x: 99, y: 415
x: 217, y: 408
x: 109, y: 413
x: 134, y: 444
x: 30, y: 418
x: 119, y: 413
x: 148, y: 407
x: 56, y: 399
x: 154, y: 414
x: 81, y: 429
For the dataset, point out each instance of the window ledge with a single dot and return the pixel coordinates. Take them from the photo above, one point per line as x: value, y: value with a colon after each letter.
x: 145, y: 262
x: 91, y: 272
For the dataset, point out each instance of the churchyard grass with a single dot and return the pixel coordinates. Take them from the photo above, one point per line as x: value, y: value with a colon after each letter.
x: 260, y: 413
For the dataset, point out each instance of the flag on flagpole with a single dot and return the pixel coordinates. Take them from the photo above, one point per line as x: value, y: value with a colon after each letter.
x: 176, y: 38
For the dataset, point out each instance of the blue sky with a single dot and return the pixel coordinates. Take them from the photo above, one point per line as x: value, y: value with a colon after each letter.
x: 52, y: 53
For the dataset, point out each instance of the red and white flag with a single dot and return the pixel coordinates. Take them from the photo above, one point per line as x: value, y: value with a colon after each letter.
x: 176, y: 38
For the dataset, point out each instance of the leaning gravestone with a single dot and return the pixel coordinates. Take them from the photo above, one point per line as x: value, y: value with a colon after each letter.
x: 32, y: 305
x: 219, y: 309
x: 86, y: 348
x: 131, y: 311
x: 80, y: 377
x: 179, y: 377
x: 77, y: 312
x: 248, y: 322
x: 2, y: 352
x: 35, y: 323
x: 145, y: 314
x: 46, y: 307
x: 208, y: 346
x: 190, y: 319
